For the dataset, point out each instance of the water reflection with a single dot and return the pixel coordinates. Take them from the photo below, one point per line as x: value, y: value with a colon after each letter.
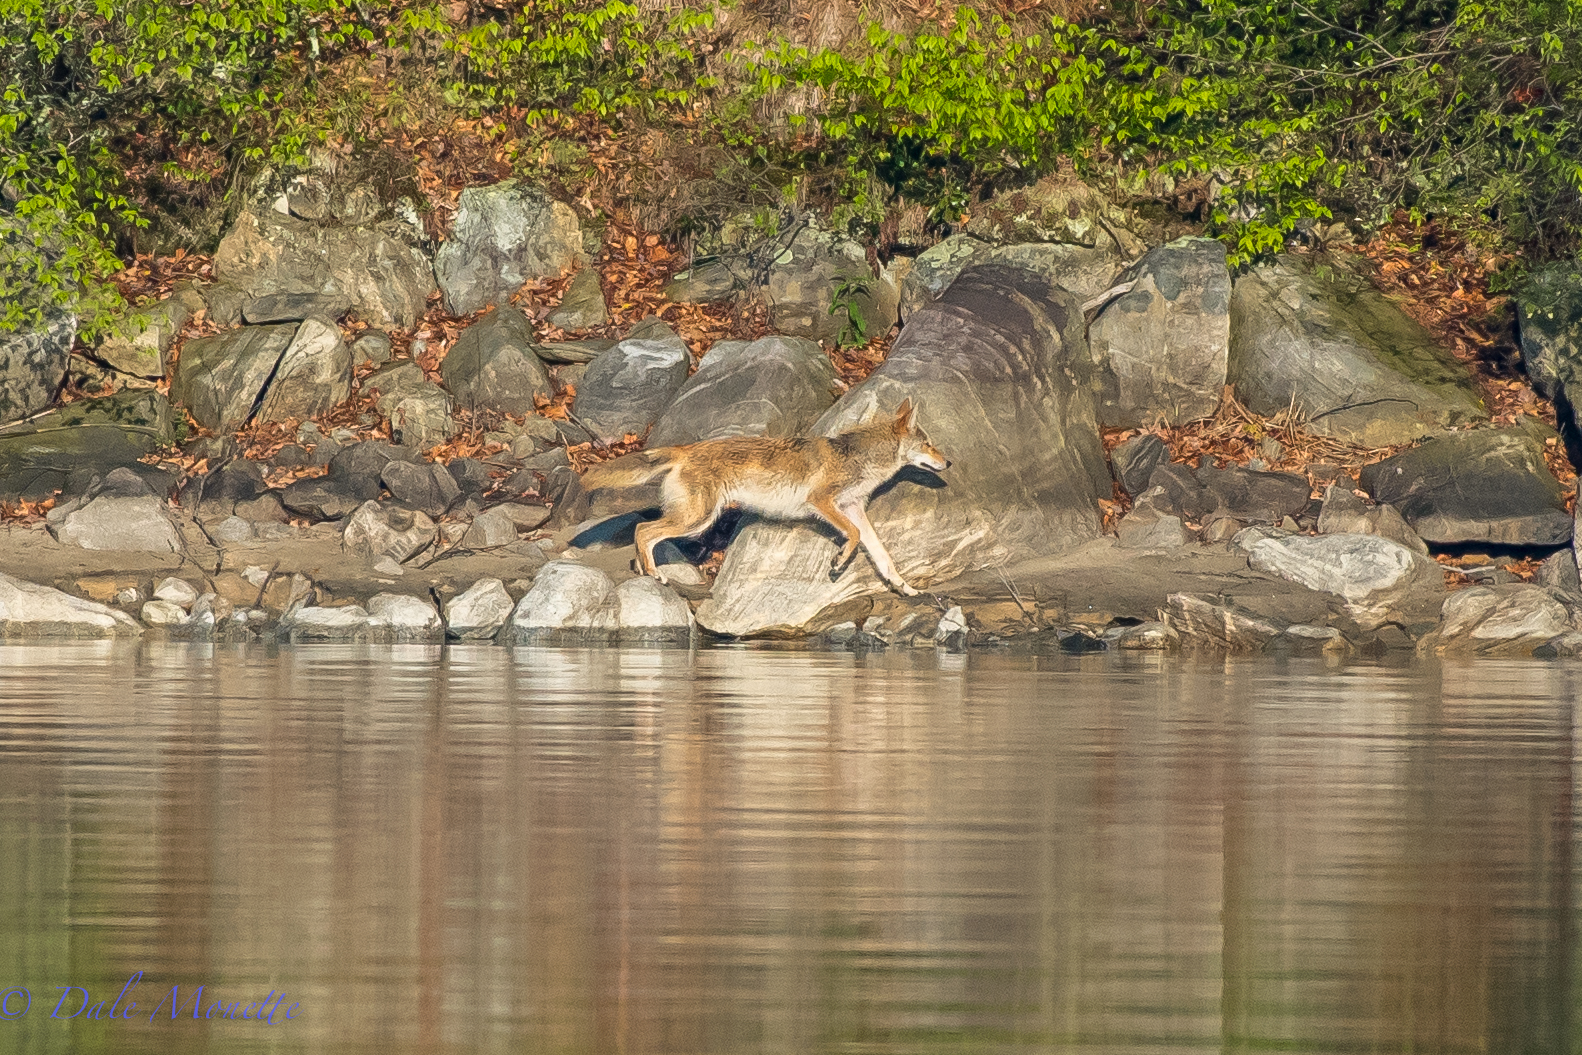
x: 473, y: 849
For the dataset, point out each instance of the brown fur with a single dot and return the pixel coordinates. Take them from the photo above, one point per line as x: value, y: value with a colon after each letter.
x: 831, y: 479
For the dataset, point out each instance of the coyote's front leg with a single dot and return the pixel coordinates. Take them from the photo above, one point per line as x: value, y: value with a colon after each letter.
x: 869, y: 538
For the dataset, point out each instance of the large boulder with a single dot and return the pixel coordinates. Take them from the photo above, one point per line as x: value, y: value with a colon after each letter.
x: 384, y: 278
x: 419, y: 410
x: 501, y: 237
x: 1001, y: 371
x: 219, y: 379
x: 33, y: 363
x: 627, y: 388
x: 1355, y: 366
x: 1488, y: 485
x: 1164, y: 345
x: 66, y: 449
x: 493, y: 365
x: 121, y: 513
x: 775, y: 386
x: 819, y: 271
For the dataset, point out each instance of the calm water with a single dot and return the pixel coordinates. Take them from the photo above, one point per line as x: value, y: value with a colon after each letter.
x: 478, y: 850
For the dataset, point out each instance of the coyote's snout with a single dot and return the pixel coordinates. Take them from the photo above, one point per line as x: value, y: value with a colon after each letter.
x: 785, y: 479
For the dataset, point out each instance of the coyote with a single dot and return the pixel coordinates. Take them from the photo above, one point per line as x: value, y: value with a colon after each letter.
x: 788, y: 479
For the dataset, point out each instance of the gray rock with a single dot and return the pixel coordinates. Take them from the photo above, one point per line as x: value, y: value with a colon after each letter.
x: 388, y: 531
x: 1255, y: 497
x: 1354, y: 364
x: 1558, y: 574
x: 110, y: 522
x: 628, y: 388
x: 1497, y: 620
x: 1164, y: 346
x: 646, y: 604
x: 565, y: 596
x: 704, y: 283
x: 219, y: 379
x: 233, y: 530
x: 398, y: 617
x: 329, y: 497
x: 1179, y: 492
x: 1489, y: 485
x: 490, y: 530
x: 215, y: 495
x: 493, y: 365
x: 37, y: 463
x: 419, y: 410
x: 28, y: 610
x: 818, y: 271
x: 1085, y: 271
x: 348, y: 623
x: 137, y: 343
x: 1549, y: 318
x: 525, y: 517
x: 471, y: 475
x: 936, y: 268
x: 386, y: 280
x: 999, y: 369
x: 425, y: 486
x: 775, y: 386
x: 33, y: 364
x: 1375, y: 577
x: 1344, y: 513
x: 1152, y: 532
x: 583, y: 305
x: 1221, y: 627
x: 1566, y: 645
x: 503, y: 236
x: 479, y: 611
x: 1135, y: 460
x: 314, y: 374
x: 371, y: 347
x: 294, y: 307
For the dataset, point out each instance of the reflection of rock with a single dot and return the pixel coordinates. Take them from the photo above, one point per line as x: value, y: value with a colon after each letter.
x: 1354, y: 365
x: 1000, y: 369
x: 1163, y: 346
x: 1488, y: 485
x: 501, y: 237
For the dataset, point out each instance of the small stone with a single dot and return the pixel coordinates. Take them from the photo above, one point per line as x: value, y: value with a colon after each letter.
x: 388, y: 566
x: 349, y: 623
x: 233, y: 530
x: 256, y: 575
x: 371, y: 347
x: 176, y: 591
x: 376, y: 530
x: 525, y: 517
x: 1148, y: 637
x: 583, y: 304
x: 490, y: 529
x: 129, y: 596
x: 954, y: 621
x: 164, y: 613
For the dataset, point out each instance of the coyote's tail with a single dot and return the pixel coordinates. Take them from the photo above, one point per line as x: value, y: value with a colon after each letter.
x: 630, y: 470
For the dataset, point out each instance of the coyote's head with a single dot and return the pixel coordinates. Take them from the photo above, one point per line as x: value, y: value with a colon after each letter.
x: 915, y: 449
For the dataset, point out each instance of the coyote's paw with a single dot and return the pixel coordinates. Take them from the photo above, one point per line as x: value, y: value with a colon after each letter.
x: 904, y: 590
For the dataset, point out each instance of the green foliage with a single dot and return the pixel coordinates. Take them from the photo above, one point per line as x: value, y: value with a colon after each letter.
x: 845, y: 301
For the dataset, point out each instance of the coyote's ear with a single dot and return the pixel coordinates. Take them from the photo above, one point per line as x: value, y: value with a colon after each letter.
x: 905, y: 415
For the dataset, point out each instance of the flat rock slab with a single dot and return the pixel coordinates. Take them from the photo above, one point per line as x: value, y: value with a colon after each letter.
x: 1164, y: 346
x: 1487, y: 485
x: 1000, y: 370
x: 1355, y: 366
x: 120, y: 523
x: 775, y: 386
x: 1380, y: 581
x: 28, y: 610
